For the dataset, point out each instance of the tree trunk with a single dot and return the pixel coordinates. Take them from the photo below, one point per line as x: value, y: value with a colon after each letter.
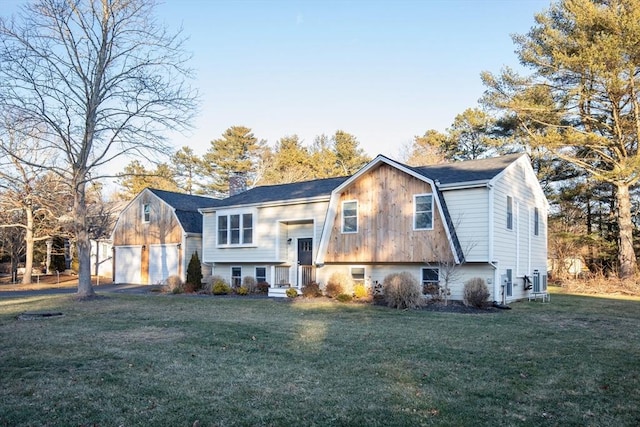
x: 626, y: 254
x: 28, y: 240
x: 85, y: 288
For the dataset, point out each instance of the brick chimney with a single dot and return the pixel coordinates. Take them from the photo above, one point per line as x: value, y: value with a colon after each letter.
x: 237, y: 183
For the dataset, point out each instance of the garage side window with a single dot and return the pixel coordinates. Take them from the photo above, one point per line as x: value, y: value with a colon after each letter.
x: 146, y: 212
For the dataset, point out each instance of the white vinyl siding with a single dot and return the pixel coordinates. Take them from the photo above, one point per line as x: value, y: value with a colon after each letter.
x: 272, y: 227
x: 518, y: 249
x: 469, y: 212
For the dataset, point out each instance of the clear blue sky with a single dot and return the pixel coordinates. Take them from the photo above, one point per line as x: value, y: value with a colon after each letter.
x: 384, y: 71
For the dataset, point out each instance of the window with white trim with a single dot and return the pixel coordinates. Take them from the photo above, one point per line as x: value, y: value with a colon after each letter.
x: 536, y: 222
x: 509, y: 213
x: 236, y: 276
x: 235, y: 229
x: 423, y: 212
x: 357, y: 274
x: 261, y: 274
x: 146, y: 212
x: 350, y: 216
x: 430, y: 281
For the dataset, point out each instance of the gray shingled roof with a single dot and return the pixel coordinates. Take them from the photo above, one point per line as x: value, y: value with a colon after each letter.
x: 467, y: 171
x: 186, y: 207
x: 292, y: 191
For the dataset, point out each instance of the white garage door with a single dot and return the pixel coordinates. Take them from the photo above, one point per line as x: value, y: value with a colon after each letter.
x: 128, y: 264
x: 163, y: 262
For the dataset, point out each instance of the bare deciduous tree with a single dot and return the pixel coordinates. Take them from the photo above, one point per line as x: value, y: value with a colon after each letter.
x: 28, y: 194
x: 101, y: 79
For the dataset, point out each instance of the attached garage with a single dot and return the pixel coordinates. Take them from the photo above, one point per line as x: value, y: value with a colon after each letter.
x: 128, y: 264
x: 164, y: 261
x: 155, y: 235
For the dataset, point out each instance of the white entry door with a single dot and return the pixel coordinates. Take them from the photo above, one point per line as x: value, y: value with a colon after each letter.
x: 163, y: 262
x: 128, y: 264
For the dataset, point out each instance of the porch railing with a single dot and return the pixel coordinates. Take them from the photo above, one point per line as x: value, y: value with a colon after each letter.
x: 307, y: 274
x: 281, y: 276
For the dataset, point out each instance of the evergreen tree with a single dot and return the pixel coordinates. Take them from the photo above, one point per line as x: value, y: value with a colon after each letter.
x: 349, y: 156
x: 581, y: 102
x: 135, y: 178
x: 428, y: 149
x: 194, y: 272
x: 290, y: 162
x: 469, y: 137
x: 237, y: 151
x: 185, y: 165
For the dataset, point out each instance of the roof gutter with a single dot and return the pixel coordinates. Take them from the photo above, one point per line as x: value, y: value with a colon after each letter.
x: 268, y: 204
x: 464, y: 185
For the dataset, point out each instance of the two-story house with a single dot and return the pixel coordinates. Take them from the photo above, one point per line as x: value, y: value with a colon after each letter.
x: 444, y: 224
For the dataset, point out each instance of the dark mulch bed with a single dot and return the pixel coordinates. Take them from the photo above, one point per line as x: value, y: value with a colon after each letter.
x: 459, y: 307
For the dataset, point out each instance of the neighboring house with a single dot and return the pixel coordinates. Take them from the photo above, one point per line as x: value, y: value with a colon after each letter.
x: 102, y: 248
x: 156, y: 235
x: 443, y: 224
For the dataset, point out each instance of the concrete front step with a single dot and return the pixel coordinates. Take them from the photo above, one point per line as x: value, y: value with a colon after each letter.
x: 280, y: 292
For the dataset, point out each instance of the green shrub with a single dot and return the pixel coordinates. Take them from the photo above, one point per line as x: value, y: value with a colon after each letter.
x: 220, y: 287
x: 360, y: 291
x: 173, y: 284
x: 401, y: 290
x: 262, y: 287
x: 311, y: 290
x: 194, y: 272
x: 242, y: 290
x: 338, y: 283
x: 250, y: 283
x: 344, y: 298
x: 292, y: 292
x: 475, y: 292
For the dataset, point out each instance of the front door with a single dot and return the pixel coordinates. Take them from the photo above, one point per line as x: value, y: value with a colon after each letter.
x: 305, y: 251
x: 305, y: 262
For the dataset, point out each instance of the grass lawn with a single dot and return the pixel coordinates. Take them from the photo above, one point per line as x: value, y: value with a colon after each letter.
x: 174, y: 360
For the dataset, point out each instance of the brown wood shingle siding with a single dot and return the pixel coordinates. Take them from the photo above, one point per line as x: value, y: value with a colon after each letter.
x: 162, y: 228
x: 385, y: 222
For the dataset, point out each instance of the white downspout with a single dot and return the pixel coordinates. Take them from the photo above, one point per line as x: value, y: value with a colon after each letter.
x: 490, y: 254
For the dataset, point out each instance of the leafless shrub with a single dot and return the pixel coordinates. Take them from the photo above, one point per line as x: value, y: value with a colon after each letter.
x: 401, y: 290
x: 475, y: 292
x: 174, y: 285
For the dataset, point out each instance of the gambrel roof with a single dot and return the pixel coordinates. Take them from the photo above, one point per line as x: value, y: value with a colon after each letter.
x: 186, y: 207
x: 467, y: 172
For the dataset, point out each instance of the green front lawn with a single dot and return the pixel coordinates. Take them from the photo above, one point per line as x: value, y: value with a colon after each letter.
x: 173, y: 360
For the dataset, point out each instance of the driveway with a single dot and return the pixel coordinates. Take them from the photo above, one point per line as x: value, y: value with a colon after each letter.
x: 13, y: 291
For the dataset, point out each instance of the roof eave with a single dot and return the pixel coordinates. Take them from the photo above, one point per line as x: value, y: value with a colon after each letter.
x: 268, y: 204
